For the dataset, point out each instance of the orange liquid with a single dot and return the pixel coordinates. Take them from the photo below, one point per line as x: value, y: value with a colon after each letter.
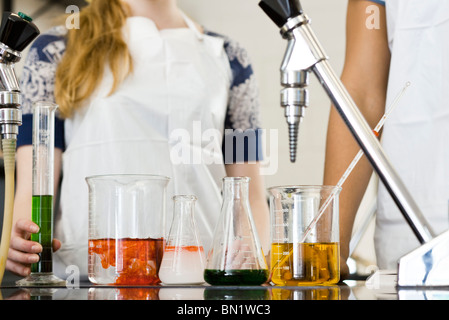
x: 137, y: 261
x: 184, y: 248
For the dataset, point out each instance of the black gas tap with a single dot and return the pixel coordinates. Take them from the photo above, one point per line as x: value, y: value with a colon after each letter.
x: 17, y: 31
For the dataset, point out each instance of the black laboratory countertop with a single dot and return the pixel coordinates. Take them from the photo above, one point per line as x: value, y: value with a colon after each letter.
x: 357, y: 289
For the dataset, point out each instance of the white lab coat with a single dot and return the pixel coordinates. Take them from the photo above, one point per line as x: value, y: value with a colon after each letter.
x: 178, y: 90
x: 416, y: 135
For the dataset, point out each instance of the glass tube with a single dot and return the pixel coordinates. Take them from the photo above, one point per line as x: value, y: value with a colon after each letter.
x: 43, y: 193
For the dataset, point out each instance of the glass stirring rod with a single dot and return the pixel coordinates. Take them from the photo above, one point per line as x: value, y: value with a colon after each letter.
x: 348, y: 171
x: 354, y: 162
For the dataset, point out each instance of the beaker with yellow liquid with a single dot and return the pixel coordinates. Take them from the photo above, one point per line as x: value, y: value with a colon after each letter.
x: 305, y: 247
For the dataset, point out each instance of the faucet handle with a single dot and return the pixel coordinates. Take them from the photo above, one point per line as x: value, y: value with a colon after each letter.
x: 17, y: 31
x: 281, y: 10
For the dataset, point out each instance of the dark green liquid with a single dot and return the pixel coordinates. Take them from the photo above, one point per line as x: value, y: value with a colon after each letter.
x: 235, y: 293
x: 236, y: 277
x: 42, y: 215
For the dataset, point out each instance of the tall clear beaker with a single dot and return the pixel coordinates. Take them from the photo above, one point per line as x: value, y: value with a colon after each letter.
x: 305, y: 244
x: 42, y: 194
x: 126, y: 228
x: 236, y: 256
x: 184, y: 259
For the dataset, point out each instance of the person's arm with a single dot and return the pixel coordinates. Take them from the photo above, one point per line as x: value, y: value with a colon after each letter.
x: 257, y: 198
x: 365, y: 76
x: 22, y: 251
x: 243, y: 118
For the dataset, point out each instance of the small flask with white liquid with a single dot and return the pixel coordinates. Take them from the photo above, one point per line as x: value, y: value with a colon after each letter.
x: 184, y: 260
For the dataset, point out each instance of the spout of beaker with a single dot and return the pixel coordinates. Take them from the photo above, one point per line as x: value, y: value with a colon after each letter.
x: 45, y: 105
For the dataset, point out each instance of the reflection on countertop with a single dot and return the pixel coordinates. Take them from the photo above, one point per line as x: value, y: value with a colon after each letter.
x: 378, y: 287
x: 225, y: 293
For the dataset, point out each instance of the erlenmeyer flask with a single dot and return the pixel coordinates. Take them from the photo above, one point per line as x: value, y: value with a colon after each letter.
x: 236, y: 257
x: 184, y: 259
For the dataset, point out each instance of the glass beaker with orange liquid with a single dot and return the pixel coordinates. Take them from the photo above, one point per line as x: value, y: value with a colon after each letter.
x: 126, y: 228
x: 305, y: 248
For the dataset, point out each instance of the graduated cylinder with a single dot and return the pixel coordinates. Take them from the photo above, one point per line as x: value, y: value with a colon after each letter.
x: 43, y: 181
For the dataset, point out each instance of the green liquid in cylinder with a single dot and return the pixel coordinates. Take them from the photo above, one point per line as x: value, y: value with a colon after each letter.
x: 236, y: 277
x: 42, y: 215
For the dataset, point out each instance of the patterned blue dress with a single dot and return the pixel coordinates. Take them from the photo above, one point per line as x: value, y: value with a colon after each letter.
x: 38, y: 79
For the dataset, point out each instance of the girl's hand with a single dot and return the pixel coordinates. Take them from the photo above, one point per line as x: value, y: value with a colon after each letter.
x: 22, y: 251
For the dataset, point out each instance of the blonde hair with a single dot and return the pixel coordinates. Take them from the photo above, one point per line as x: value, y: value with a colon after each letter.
x: 98, y: 41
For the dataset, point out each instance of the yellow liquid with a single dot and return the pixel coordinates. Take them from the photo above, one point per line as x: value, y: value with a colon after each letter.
x: 306, y: 293
x: 307, y: 263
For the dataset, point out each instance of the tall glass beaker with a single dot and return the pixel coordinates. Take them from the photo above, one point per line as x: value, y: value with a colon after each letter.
x: 184, y: 259
x: 42, y: 194
x: 236, y: 257
x: 305, y: 248
x: 126, y: 228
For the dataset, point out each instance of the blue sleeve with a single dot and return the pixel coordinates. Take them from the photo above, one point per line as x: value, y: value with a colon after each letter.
x: 243, y: 134
x: 382, y: 2
x: 37, y: 83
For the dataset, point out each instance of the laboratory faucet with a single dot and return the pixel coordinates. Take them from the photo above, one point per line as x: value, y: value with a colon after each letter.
x: 305, y: 55
x: 17, y: 31
x: 294, y: 67
x: 428, y: 264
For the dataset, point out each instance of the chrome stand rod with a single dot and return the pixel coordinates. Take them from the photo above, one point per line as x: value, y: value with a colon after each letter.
x: 370, y: 145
